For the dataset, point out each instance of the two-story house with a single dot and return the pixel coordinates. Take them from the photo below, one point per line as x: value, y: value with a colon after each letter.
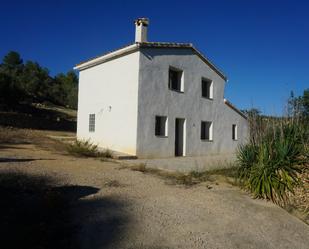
x: 156, y: 100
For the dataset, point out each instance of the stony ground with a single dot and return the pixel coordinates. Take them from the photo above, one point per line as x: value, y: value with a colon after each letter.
x: 115, y: 207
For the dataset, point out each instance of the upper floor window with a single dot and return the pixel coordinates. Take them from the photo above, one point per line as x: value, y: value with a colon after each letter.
x: 234, y: 132
x: 175, y: 79
x: 161, y: 126
x: 91, y: 122
x: 206, y: 130
x: 207, y: 88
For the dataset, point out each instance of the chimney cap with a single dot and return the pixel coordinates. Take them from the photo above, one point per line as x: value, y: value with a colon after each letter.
x: 143, y: 20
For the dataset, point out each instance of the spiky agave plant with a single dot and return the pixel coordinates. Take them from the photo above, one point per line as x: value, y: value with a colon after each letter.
x: 269, y: 168
x: 246, y: 157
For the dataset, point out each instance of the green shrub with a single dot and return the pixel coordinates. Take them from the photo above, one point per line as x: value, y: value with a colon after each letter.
x: 269, y: 163
x: 87, y: 149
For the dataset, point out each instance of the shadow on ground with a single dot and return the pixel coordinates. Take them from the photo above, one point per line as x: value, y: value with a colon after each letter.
x: 21, y: 160
x: 36, y: 213
x: 7, y: 146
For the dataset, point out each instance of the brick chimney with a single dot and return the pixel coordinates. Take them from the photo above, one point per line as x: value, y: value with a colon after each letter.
x: 141, y: 26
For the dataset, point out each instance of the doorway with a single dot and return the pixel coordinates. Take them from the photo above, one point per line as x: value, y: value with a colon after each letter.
x: 180, y: 137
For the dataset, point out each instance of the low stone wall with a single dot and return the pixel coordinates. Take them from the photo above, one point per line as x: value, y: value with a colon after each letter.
x: 187, y: 164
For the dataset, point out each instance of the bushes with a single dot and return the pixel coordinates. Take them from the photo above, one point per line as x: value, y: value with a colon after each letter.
x: 88, y: 149
x: 29, y: 83
x: 269, y: 163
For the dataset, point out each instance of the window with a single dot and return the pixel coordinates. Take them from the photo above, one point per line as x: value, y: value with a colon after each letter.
x: 161, y: 126
x: 91, y: 122
x: 207, y: 89
x: 206, y: 130
x: 234, y: 132
x: 175, y: 81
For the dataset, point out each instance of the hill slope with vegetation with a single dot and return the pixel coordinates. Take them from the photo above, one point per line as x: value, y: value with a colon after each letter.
x: 28, y: 82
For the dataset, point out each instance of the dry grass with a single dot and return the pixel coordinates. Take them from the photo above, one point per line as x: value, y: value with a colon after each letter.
x: 83, y: 148
x: 140, y: 167
x: 188, y: 179
x: 13, y: 136
x: 10, y: 135
x: 300, y: 198
x: 38, y: 117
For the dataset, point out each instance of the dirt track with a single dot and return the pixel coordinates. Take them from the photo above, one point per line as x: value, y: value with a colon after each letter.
x: 120, y: 208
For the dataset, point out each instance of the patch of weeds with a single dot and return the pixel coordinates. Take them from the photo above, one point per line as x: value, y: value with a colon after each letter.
x: 201, y: 176
x: 299, y: 200
x: 192, y: 178
x: 84, y: 148
x: 107, y: 153
x: 228, y: 172
x: 227, y: 175
x: 188, y: 179
x: 140, y: 167
x: 11, y: 135
x: 183, y: 179
x: 172, y: 177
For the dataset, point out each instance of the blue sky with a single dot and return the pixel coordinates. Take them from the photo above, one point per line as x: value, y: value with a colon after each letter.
x: 262, y: 46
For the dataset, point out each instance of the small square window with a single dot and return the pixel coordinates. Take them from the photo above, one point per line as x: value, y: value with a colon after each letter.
x: 207, y: 88
x: 234, y: 132
x: 206, y: 130
x: 161, y: 126
x: 91, y: 122
x: 175, y: 81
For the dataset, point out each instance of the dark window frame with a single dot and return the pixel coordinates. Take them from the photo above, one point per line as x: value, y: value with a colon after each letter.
x: 161, y: 131
x: 175, y: 79
x: 234, y: 132
x: 207, y: 88
x: 206, y: 131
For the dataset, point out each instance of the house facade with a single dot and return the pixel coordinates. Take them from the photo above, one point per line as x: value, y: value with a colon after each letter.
x: 157, y: 100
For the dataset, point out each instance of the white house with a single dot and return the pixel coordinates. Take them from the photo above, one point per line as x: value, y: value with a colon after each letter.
x: 157, y: 100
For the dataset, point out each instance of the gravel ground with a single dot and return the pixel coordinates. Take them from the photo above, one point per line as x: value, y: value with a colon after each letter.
x: 129, y: 209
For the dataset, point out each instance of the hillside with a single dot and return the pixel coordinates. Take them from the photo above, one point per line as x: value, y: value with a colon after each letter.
x: 38, y: 116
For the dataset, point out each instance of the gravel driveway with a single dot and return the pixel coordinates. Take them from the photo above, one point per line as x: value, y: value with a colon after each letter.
x: 129, y: 209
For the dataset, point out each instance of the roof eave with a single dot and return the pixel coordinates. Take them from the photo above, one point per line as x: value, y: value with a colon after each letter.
x: 186, y: 46
x: 210, y: 64
x: 229, y: 104
x: 106, y: 57
x: 135, y: 46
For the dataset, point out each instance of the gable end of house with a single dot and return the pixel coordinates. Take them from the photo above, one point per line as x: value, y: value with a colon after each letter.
x: 136, y: 46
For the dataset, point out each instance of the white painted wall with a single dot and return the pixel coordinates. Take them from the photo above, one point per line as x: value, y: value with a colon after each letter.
x: 156, y: 99
x: 126, y: 93
x: 110, y: 91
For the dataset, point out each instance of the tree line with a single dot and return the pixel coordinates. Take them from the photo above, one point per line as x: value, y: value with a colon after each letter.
x: 297, y: 107
x: 29, y: 82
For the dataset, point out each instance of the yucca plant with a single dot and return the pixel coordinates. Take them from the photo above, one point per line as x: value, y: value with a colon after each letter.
x: 269, y: 163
